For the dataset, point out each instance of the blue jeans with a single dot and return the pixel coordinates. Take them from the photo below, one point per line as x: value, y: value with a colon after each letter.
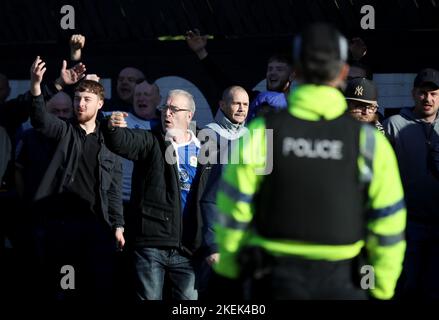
x: 151, y: 265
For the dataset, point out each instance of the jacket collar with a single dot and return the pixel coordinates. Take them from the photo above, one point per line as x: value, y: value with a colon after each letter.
x: 409, y: 114
x: 316, y: 102
x: 226, y: 128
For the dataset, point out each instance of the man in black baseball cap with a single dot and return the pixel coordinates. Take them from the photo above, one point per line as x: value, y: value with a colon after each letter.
x: 425, y: 77
x: 426, y: 94
x: 414, y: 133
x: 361, y: 95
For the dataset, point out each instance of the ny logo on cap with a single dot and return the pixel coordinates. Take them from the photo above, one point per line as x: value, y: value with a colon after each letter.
x: 359, y: 91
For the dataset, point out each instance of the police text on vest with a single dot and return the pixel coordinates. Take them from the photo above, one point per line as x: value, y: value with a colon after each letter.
x: 308, y: 148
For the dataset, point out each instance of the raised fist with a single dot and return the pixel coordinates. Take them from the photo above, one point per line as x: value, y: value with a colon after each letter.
x: 197, y: 43
x: 77, y: 42
x: 117, y: 119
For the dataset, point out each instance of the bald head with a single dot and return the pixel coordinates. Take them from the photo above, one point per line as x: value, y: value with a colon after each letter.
x: 126, y: 82
x: 235, y: 103
x: 4, y: 88
x: 60, y: 105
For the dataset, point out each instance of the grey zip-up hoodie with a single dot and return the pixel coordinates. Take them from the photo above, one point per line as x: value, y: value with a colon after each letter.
x: 408, y: 135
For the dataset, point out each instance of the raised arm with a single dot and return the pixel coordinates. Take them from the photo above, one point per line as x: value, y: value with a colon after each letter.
x: 70, y: 76
x: 37, y: 71
x: 16, y: 111
x: 41, y: 120
x: 132, y: 144
x: 77, y: 42
x: 197, y: 43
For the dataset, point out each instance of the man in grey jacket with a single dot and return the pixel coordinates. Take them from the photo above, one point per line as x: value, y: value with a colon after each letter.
x: 414, y: 134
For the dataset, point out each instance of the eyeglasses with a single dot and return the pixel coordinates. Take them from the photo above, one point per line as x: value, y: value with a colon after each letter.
x: 369, y: 108
x: 172, y: 108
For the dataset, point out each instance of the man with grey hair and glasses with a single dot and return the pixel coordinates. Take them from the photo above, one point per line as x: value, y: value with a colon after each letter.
x: 164, y: 223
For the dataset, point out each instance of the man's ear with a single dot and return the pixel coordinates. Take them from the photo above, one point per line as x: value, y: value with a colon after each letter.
x: 222, y: 105
x: 100, y: 104
x: 190, y: 115
x: 413, y: 93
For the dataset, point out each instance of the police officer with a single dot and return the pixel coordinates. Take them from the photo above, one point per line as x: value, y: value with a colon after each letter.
x: 330, y: 193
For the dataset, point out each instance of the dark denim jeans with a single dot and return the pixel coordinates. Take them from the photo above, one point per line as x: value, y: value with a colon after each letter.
x: 151, y: 266
x: 420, y: 276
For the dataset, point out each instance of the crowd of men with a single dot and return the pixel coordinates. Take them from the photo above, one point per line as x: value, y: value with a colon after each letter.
x: 288, y: 194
